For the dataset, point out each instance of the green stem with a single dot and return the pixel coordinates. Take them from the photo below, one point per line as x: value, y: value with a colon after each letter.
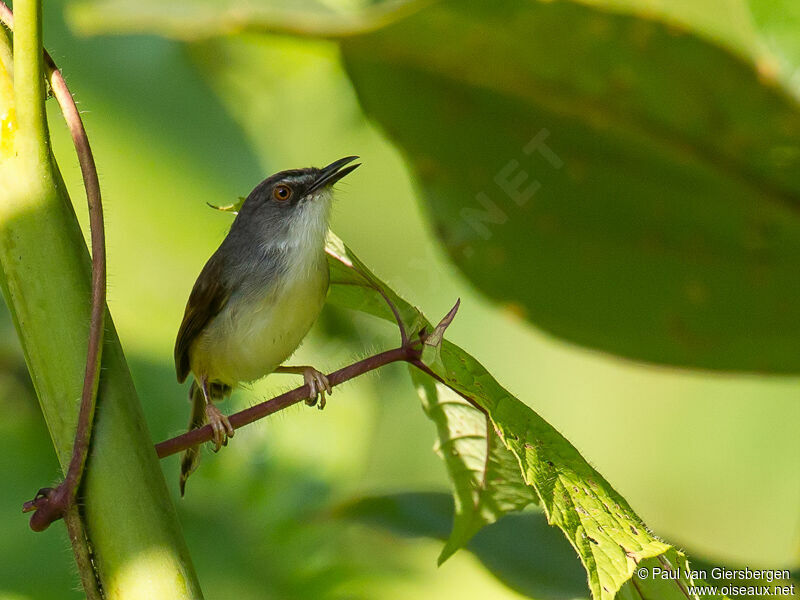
x: 83, y: 558
x: 138, y: 549
x: 29, y: 84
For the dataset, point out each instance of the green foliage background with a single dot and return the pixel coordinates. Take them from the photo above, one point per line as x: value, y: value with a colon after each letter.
x: 710, y: 462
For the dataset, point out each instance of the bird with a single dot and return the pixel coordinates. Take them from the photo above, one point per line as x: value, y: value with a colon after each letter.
x: 257, y: 297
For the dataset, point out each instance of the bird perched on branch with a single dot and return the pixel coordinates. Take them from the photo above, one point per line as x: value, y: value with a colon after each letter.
x: 257, y: 296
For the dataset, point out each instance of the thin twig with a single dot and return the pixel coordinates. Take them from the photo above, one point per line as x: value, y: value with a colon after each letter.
x: 278, y: 403
x: 94, y: 353
x: 396, y: 313
x: 371, y: 283
x: 409, y: 352
x: 52, y: 505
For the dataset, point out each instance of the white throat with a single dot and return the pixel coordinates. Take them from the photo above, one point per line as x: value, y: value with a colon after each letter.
x: 304, y: 246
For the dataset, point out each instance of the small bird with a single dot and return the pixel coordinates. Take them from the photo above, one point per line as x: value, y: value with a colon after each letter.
x: 257, y: 296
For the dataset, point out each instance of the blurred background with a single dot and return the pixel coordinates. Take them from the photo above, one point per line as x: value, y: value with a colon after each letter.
x: 711, y: 462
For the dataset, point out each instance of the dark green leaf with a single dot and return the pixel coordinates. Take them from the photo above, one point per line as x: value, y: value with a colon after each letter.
x: 640, y: 155
x: 627, y: 187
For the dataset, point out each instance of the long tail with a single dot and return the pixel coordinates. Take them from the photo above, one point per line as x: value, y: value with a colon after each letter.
x: 191, y: 457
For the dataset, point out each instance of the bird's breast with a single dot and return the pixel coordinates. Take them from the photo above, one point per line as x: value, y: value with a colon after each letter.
x: 262, y: 326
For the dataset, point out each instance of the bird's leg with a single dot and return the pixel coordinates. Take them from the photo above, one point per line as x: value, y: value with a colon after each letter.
x: 219, y: 423
x: 316, y: 381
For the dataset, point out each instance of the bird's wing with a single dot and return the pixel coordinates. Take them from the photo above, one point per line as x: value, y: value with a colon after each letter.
x: 209, y: 295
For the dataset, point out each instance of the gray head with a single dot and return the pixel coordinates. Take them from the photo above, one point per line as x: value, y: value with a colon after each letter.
x: 289, y: 191
x: 292, y: 205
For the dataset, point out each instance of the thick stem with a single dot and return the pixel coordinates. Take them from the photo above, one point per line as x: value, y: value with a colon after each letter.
x: 54, y: 505
x: 138, y: 549
x: 29, y: 84
x: 83, y: 557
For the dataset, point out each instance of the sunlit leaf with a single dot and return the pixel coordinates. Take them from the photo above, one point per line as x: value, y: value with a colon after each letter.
x: 778, y: 25
x: 232, y: 208
x: 609, y: 537
x: 487, y: 482
x: 193, y: 20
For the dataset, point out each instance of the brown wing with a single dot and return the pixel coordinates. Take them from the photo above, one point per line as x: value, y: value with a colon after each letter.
x: 208, y: 297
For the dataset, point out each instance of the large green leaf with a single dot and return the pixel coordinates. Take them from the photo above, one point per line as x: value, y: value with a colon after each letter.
x: 608, y: 536
x: 624, y: 173
x: 626, y: 187
x: 195, y: 19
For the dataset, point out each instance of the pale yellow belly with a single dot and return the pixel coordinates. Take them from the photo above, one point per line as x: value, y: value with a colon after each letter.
x: 249, y: 339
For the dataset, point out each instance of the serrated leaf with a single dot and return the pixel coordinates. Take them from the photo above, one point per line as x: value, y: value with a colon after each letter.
x: 486, y: 478
x: 533, y: 559
x: 609, y: 537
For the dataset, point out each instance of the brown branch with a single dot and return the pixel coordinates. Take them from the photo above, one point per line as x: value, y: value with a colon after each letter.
x: 396, y: 313
x: 194, y: 437
x: 50, y: 505
x: 409, y: 352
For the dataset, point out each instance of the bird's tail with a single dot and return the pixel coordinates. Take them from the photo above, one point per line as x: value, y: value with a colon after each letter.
x: 191, y: 457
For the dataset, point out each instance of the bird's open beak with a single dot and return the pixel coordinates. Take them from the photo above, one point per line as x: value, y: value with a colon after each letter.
x: 334, y: 172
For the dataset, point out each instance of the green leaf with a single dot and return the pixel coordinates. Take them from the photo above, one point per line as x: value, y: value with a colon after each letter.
x: 609, y: 537
x: 524, y: 553
x: 193, y: 20
x: 231, y: 208
x: 584, y: 168
x: 725, y: 22
x: 778, y: 24
x: 487, y: 482
x: 642, y: 155
x: 432, y: 344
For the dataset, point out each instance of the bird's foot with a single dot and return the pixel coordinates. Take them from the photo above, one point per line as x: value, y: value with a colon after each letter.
x: 318, y: 384
x: 220, y: 425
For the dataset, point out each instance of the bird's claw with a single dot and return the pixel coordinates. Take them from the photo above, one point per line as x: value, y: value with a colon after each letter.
x: 318, y: 384
x: 220, y: 425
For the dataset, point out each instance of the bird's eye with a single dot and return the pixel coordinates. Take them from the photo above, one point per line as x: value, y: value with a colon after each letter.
x: 282, y: 193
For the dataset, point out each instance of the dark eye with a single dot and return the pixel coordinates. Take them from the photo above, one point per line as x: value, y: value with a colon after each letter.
x: 282, y: 193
